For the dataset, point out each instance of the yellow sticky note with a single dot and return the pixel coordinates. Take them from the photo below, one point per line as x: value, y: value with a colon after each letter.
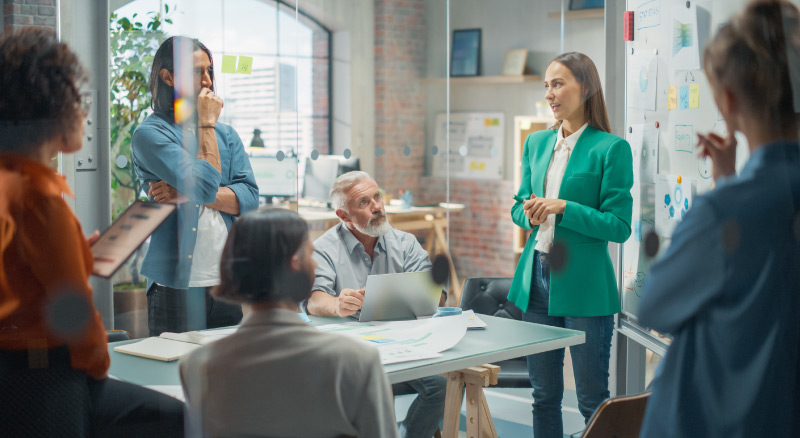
x: 694, y: 96
x: 245, y: 65
x: 228, y: 64
x: 477, y: 165
x: 487, y: 122
x: 672, y: 98
x: 372, y: 337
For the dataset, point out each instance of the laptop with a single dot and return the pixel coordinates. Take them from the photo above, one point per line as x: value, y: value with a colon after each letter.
x: 407, y: 295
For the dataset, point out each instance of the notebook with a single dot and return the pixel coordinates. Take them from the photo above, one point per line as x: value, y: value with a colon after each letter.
x: 171, y: 346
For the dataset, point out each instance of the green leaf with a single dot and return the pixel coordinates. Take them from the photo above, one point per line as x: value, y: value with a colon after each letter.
x: 166, y: 8
x: 168, y: 20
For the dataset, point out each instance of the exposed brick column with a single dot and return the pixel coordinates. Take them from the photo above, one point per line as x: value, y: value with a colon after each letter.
x: 18, y: 14
x: 481, y: 234
x: 400, y: 39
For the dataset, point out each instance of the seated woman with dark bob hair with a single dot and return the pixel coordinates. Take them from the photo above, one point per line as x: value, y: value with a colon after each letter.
x: 277, y: 376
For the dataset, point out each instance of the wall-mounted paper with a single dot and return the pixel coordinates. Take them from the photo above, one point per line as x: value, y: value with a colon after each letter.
x: 694, y: 96
x: 674, y: 196
x: 643, y: 75
x: 245, y: 65
x: 228, y: 64
x: 644, y: 147
x: 672, y: 97
x: 685, y: 53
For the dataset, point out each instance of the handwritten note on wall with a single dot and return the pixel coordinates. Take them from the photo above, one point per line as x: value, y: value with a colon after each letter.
x: 230, y: 65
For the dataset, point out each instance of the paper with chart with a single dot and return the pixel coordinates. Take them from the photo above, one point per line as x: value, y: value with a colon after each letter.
x: 403, y: 341
x: 643, y: 139
x: 635, y: 263
x: 642, y: 81
x: 674, y: 196
x: 685, y: 52
x: 476, y: 145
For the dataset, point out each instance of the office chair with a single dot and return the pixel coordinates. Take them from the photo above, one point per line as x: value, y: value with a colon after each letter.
x: 487, y: 296
x: 45, y: 403
x: 618, y: 417
x: 118, y: 335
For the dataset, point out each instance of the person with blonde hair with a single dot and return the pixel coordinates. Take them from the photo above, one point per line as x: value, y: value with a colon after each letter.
x: 575, y: 198
x: 728, y: 287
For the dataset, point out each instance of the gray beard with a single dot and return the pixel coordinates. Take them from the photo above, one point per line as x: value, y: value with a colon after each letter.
x: 374, y: 230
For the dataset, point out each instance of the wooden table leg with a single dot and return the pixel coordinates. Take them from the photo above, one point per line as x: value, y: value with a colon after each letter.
x: 452, y: 404
x: 479, y: 418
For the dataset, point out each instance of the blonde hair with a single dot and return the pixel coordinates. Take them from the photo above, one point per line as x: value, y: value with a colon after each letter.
x: 585, y: 72
x: 750, y: 57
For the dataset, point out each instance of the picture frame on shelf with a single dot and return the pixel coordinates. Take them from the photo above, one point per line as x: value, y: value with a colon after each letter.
x: 578, y: 5
x: 514, y: 62
x: 465, y: 58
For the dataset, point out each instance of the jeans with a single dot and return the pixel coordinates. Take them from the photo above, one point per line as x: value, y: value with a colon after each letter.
x: 427, y: 411
x: 546, y: 370
x: 182, y: 310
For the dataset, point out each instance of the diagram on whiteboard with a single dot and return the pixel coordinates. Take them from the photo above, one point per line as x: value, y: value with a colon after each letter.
x: 685, y: 52
x: 643, y: 71
x: 674, y: 195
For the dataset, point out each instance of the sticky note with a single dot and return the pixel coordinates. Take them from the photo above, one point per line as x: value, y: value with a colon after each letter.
x: 683, y: 97
x: 228, y: 64
x: 372, y: 337
x: 694, y: 96
x: 477, y: 165
x: 245, y: 65
x: 672, y: 100
x: 495, y: 122
x: 487, y: 122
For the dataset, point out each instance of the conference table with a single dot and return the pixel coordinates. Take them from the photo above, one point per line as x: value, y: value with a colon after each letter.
x: 502, y: 339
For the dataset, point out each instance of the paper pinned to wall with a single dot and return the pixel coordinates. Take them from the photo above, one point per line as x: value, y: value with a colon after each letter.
x: 685, y: 52
x: 674, y: 197
x: 643, y: 78
x: 476, y: 145
x: 635, y: 262
x: 644, y: 147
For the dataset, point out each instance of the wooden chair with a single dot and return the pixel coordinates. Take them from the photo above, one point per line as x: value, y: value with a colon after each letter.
x: 618, y: 417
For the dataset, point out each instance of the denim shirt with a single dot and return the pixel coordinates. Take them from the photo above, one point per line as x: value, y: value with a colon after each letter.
x: 160, y: 152
x: 727, y: 290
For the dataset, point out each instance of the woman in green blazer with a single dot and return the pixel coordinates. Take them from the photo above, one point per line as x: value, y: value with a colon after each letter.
x: 575, y: 198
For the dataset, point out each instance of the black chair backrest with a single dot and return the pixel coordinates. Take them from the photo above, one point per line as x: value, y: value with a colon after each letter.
x: 487, y: 296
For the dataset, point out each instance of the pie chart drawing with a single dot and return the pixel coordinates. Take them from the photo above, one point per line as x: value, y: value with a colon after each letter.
x: 643, y: 79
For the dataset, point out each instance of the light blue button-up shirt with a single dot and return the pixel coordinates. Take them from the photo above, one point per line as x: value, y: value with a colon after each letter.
x: 161, y: 152
x: 342, y: 262
x: 728, y: 290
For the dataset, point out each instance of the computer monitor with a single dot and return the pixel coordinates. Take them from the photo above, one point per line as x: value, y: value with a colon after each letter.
x: 275, y: 177
x: 321, y: 174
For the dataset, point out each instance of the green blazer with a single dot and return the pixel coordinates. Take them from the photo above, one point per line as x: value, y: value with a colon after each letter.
x: 597, y: 187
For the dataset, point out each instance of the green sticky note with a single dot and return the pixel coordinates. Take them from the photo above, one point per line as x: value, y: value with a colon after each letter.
x: 228, y: 64
x: 245, y: 65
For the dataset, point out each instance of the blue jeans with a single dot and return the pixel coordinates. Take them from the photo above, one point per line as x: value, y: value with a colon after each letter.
x: 427, y: 410
x: 546, y: 370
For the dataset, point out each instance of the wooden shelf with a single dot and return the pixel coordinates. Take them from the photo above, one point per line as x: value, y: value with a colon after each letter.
x: 486, y: 80
x: 579, y: 15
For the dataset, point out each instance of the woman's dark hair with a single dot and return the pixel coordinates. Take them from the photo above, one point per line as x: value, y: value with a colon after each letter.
x: 163, y: 94
x: 585, y: 72
x: 41, y: 80
x: 255, y: 261
x: 750, y: 57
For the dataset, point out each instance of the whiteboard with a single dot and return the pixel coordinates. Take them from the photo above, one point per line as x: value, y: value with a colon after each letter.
x: 476, y: 145
x: 668, y: 101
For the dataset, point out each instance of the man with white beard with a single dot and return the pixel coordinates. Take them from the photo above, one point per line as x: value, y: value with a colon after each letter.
x: 365, y: 244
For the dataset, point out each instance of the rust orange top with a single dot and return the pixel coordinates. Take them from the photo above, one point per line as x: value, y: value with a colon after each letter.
x: 46, y: 263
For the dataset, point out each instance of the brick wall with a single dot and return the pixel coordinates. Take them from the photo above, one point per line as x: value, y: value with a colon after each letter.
x: 400, y: 39
x: 480, y: 235
x: 24, y: 13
